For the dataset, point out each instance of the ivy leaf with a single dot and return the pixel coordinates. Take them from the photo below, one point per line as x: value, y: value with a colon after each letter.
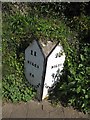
x: 88, y: 70
x: 86, y: 96
x: 82, y: 57
x: 80, y: 65
x: 79, y: 89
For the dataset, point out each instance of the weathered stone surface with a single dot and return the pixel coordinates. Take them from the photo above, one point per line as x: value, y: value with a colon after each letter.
x: 47, y: 106
x: 82, y: 115
x: 19, y: 111
x: 58, y: 113
x: 34, y: 109
x: 7, y: 110
x: 69, y: 112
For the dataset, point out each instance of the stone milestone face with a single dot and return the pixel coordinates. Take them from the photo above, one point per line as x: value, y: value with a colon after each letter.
x: 54, y: 66
x: 34, y: 61
x: 42, y: 60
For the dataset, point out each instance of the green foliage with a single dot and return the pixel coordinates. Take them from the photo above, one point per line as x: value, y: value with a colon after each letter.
x: 15, y: 86
x: 73, y: 88
x: 45, y: 22
x: 17, y: 32
x: 79, y: 76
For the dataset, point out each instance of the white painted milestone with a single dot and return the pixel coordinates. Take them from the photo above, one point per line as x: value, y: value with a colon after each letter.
x: 42, y: 60
x: 34, y: 61
x: 54, y: 62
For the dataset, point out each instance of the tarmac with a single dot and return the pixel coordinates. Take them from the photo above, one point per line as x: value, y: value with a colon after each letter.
x: 35, y: 109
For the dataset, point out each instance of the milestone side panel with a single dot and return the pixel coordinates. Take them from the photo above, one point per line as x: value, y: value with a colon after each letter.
x: 54, y: 66
x: 34, y: 61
